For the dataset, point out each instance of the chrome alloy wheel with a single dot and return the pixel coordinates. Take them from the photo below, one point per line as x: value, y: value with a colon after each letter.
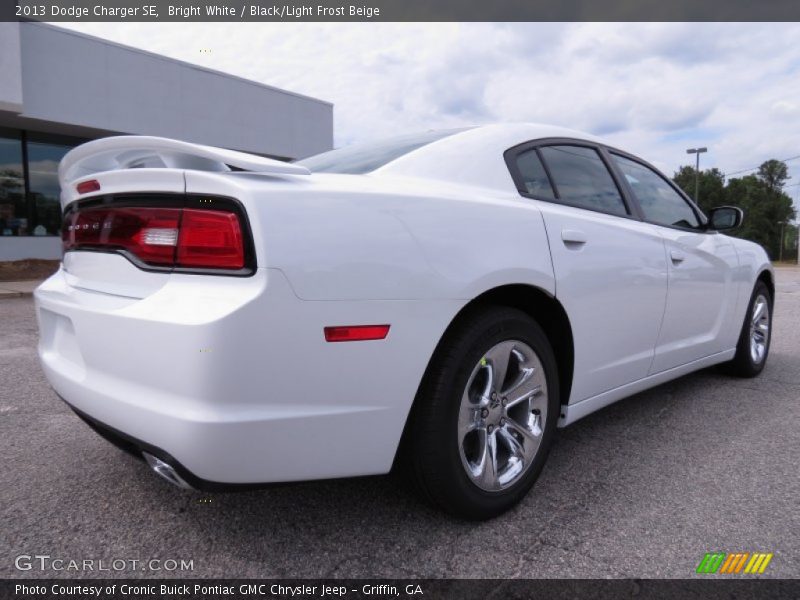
x: 759, y: 329
x: 502, y: 415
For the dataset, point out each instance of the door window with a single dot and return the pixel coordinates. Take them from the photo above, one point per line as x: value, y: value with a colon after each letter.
x: 660, y: 202
x: 582, y: 179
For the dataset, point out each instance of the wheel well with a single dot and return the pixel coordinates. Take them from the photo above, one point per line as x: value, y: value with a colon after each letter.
x: 544, y: 309
x: 540, y: 306
x: 766, y: 277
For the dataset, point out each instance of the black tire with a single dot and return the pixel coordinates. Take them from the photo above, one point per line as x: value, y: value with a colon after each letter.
x: 433, y: 450
x: 743, y: 363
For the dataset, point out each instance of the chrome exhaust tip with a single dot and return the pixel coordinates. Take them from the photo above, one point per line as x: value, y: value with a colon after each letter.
x: 165, y: 471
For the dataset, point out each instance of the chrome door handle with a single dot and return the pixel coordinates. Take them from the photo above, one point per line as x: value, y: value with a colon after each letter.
x: 677, y: 256
x: 573, y: 237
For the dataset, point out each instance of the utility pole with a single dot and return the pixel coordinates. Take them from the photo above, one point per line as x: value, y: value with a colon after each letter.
x: 783, y: 233
x: 697, y: 152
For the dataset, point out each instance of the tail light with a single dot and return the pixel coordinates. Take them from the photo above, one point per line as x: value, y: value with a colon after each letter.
x: 160, y: 237
x: 210, y: 239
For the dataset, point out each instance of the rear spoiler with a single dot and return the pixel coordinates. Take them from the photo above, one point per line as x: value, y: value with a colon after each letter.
x: 134, y: 151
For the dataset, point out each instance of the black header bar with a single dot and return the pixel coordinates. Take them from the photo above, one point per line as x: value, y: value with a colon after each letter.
x: 399, y: 10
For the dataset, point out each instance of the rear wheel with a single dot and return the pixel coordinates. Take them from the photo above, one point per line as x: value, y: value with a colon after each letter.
x: 753, y: 346
x: 486, y: 414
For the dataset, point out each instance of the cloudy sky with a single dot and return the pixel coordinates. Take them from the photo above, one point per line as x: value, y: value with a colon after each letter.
x: 653, y: 89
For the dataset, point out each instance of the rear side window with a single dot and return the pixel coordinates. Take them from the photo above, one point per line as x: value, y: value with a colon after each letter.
x: 534, y: 177
x: 581, y: 179
x: 660, y: 203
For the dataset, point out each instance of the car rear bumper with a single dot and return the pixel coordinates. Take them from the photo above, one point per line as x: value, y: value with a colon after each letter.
x: 139, y: 449
x: 232, y: 382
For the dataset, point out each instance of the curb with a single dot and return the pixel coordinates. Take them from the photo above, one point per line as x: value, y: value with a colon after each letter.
x: 11, y: 293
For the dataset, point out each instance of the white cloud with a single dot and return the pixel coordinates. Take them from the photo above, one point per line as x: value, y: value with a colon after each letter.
x: 654, y: 89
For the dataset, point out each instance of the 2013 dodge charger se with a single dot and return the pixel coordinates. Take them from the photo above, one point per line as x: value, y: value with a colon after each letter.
x: 448, y: 298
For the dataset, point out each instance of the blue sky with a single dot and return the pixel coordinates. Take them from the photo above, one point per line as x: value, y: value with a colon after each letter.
x: 652, y: 89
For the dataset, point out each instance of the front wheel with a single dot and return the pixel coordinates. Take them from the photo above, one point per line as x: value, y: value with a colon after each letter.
x: 486, y: 414
x: 754, y: 339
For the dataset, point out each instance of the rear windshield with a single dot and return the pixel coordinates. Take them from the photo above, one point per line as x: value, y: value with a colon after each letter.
x: 368, y: 156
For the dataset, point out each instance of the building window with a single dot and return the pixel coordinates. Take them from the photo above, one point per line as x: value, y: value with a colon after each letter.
x: 14, y: 217
x: 43, y: 159
x: 29, y: 190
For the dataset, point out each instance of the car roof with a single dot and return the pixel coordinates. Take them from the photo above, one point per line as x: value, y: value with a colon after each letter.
x: 475, y: 156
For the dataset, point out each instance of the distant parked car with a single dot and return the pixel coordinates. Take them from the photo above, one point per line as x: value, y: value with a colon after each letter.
x: 447, y: 298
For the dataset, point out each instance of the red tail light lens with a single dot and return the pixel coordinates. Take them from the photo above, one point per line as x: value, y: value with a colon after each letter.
x: 210, y: 239
x: 84, y: 187
x: 144, y: 232
x: 162, y: 237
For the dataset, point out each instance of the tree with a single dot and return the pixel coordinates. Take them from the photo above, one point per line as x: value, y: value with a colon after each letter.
x: 768, y: 209
x: 750, y: 194
x: 774, y: 174
x: 712, y: 186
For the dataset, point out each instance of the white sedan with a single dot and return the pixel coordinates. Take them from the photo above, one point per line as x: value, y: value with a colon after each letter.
x: 446, y: 299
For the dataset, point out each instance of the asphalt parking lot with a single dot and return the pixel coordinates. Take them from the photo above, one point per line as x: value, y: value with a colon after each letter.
x: 641, y: 489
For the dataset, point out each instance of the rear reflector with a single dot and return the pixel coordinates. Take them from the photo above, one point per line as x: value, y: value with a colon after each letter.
x: 355, y: 333
x: 84, y: 187
x: 162, y: 237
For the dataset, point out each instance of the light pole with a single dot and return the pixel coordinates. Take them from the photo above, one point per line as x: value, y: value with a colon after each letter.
x: 783, y: 236
x: 697, y: 152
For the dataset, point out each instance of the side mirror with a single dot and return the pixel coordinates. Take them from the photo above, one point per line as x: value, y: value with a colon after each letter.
x: 723, y: 218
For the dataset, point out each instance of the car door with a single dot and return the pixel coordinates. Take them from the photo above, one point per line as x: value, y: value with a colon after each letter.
x: 610, y: 267
x: 701, y: 297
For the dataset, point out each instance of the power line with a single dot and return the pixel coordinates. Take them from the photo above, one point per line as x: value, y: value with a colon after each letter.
x: 754, y: 168
x: 792, y: 192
